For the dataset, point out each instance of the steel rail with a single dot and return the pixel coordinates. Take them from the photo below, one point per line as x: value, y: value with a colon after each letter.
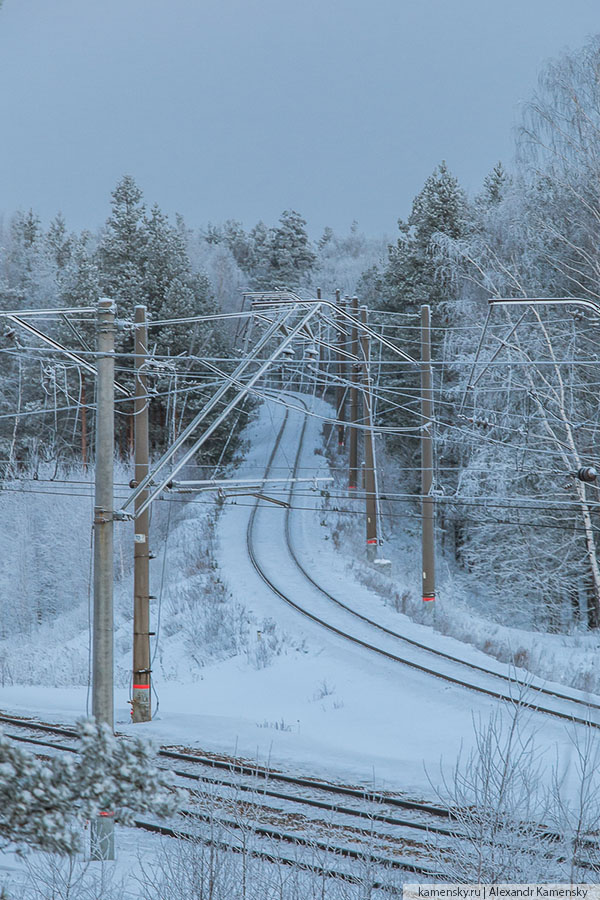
x: 285, y: 861
x: 269, y: 832
x: 544, y: 833
x: 276, y: 834
x: 235, y: 766
x: 293, y: 798
x: 365, y: 794
x: 322, y: 805
x: 386, y: 654
x: 439, y: 653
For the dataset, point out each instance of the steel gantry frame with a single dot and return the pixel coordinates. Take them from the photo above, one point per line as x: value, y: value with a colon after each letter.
x: 283, y: 306
x: 149, y: 484
x: 279, y: 312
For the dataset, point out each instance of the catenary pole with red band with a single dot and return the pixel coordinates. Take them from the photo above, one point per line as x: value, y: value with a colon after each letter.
x: 369, y: 486
x: 428, y: 502
x: 141, y: 710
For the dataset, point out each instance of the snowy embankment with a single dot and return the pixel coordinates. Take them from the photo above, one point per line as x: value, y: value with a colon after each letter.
x: 461, y: 610
x: 337, y: 552
x: 45, y: 570
x: 237, y: 670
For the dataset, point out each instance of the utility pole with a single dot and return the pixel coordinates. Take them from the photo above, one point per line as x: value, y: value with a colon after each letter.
x: 427, y: 503
x: 102, y: 828
x: 141, y: 697
x: 84, y: 453
x: 353, y: 469
x: 322, y: 364
x: 340, y: 390
x: 369, y: 470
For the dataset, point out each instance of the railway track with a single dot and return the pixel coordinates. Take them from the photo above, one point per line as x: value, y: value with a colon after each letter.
x: 262, y: 780
x: 269, y: 795
x: 255, y: 806
x: 580, y: 711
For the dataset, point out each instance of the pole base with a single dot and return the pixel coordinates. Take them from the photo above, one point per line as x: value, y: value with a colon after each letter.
x: 102, y: 837
x: 140, y: 703
x: 372, y: 549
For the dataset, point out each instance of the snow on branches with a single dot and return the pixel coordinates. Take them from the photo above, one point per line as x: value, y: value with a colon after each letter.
x: 44, y: 801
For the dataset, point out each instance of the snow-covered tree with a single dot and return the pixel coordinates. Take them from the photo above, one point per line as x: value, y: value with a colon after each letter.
x: 59, y: 242
x: 559, y: 149
x: 44, y: 802
x: 494, y: 186
x: 343, y: 259
x: 412, y: 275
x: 122, y: 251
x: 290, y: 256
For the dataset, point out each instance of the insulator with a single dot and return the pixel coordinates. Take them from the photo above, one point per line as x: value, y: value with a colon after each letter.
x: 587, y: 473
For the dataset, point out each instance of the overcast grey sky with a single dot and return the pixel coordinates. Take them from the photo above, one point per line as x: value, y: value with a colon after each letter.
x: 242, y: 108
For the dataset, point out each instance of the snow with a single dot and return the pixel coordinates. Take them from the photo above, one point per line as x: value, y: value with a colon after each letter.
x: 299, y: 698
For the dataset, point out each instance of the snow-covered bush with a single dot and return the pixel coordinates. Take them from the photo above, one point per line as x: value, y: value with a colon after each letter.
x: 52, y: 877
x: 43, y: 802
x: 514, y: 823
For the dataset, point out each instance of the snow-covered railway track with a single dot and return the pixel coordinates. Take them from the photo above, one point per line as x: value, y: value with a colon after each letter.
x: 515, y: 691
x: 312, y: 791
x: 235, y: 807
x: 262, y: 779
x: 336, y: 855
x: 332, y: 839
x: 262, y: 783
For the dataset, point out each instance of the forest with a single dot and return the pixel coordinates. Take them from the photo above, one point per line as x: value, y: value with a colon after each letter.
x: 515, y: 392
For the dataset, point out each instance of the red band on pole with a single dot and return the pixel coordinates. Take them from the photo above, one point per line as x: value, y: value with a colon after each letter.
x: 351, y: 487
x: 141, y: 687
x: 371, y: 540
x: 428, y: 599
x: 108, y: 815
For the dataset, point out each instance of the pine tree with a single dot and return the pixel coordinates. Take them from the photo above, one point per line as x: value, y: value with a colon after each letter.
x: 44, y: 802
x: 26, y: 265
x: 58, y: 242
x: 240, y: 244
x: 30, y: 226
x: 494, y: 187
x: 80, y: 277
x: 412, y: 276
x: 123, y: 251
x: 289, y: 253
x: 325, y: 238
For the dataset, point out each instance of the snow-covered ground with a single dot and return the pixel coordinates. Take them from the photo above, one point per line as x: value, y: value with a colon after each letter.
x: 255, y: 678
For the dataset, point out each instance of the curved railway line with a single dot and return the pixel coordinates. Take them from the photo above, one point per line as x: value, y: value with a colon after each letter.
x: 504, y: 695
x: 353, y: 806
